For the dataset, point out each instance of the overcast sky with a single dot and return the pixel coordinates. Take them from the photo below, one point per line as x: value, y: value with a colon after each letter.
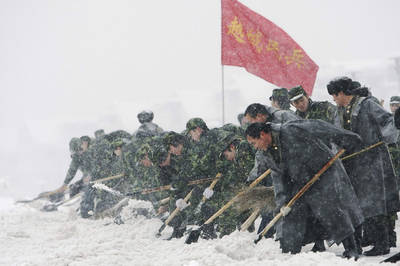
x: 70, y: 67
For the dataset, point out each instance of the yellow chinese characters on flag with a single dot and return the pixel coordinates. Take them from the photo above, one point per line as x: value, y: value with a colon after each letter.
x: 262, y: 48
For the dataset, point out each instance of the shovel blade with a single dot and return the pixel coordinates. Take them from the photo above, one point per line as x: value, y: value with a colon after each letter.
x: 49, y: 208
x: 393, y: 259
x: 193, y: 236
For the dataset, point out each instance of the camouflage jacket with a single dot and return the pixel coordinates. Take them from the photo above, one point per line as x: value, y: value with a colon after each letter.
x: 320, y: 110
x: 234, y: 173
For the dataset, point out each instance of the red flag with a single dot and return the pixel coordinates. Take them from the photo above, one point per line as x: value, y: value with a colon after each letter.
x: 255, y: 43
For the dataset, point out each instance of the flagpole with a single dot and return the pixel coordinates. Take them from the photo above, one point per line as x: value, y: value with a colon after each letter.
x: 222, y: 74
x: 223, y: 95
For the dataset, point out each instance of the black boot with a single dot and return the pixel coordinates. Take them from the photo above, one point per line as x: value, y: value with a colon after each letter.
x: 392, y: 232
x: 319, y: 246
x: 377, y: 251
x: 350, y: 248
x: 358, y: 239
x: 381, y: 236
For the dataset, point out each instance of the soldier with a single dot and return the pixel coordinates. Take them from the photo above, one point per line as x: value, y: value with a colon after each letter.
x: 240, y: 119
x: 280, y: 99
x: 146, y: 175
x: 308, y: 109
x: 394, y: 150
x: 145, y: 119
x: 296, y: 151
x: 235, y: 161
x: 394, y: 103
x: 76, y: 163
x: 85, y: 167
x: 257, y: 112
x: 99, y: 133
x: 371, y: 173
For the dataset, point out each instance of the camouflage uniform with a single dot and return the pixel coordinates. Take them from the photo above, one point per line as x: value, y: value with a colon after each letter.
x: 146, y: 176
x: 76, y: 162
x: 316, y: 110
x: 201, y: 156
x: 280, y: 97
x: 234, y: 174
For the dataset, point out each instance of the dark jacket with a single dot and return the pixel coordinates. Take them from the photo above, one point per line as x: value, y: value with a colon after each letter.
x: 372, y: 173
x: 300, y: 149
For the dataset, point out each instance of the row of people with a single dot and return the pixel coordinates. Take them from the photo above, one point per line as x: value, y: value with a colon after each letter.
x: 354, y: 203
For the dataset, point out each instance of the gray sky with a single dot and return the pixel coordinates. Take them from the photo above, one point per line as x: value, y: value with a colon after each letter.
x: 70, y: 67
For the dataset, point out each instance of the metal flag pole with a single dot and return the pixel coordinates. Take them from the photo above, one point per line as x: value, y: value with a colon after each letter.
x: 223, y: 95
x: 222, y: 72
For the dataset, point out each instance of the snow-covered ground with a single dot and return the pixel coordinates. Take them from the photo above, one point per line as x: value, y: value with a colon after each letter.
x: 29, y: 236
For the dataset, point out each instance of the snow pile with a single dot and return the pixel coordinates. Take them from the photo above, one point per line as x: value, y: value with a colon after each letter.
x: 33, y: 237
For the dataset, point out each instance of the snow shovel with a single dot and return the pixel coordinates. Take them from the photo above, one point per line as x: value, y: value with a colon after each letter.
x: 393, y: 259
x: 195, y: 234
x: 173, y: 214
x: 166, y: 187
x: 43, y: 195
x: 250, y: 220
x: 299, y: 194
x: 363, y: 150
x: 54, y: 206
x: 107, y: 178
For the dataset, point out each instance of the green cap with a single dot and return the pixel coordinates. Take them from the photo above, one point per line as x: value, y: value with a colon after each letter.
x: 296, y: 93
x: 144, y: 150
x: 158, y: 154
x: 173, y: 138
x: 394, y: 99
x: 74, y: 145
x: 196, y: 122
x: 225, y: 139
x: 118, y: 142
x: 280, y: 92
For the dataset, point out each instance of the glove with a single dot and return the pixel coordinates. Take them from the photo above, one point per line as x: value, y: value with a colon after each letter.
x: 285, y: 210
x: 208, y: 192
x: 181, y: 204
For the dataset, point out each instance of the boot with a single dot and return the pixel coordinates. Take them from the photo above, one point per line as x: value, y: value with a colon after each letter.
x: 381, y: 236
x: 392, y: 232
x: 358, y: 239
x: 319, y: 246
x: 377, y: 251
x: 350, y: 248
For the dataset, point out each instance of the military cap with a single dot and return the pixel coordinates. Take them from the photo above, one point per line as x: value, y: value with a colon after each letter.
x: 394, y: 99
x: 173, y: 138
x: 158, y: 154
x: 144, y: 150
x: 196, y: 122
x: 225, y: 139
x: 279, y: 93
x: 118, y: 142
x: 99, y: 133
x: 145, y: 116
x: 240, y: 117
x: 397, y: 118
x: 74, y: 145
x: 85, y: 138
x: 296, y: 93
